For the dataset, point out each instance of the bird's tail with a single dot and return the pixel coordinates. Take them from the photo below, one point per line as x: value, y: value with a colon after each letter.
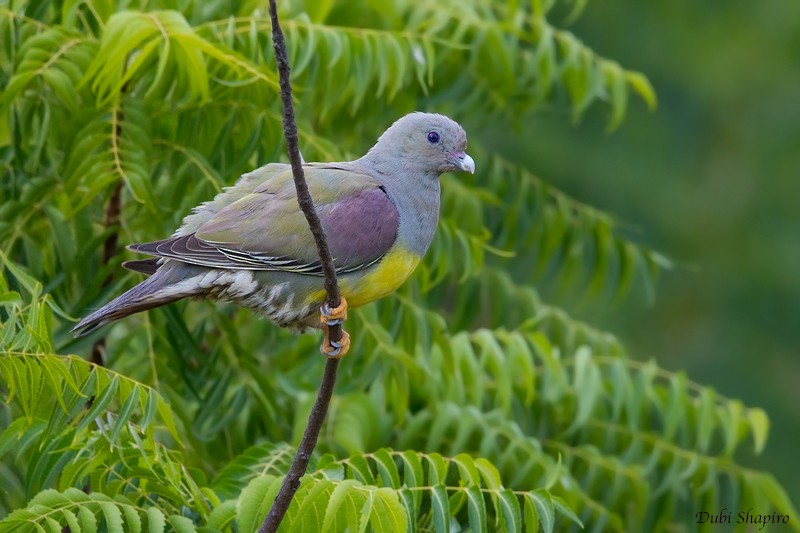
x: 172, y: 281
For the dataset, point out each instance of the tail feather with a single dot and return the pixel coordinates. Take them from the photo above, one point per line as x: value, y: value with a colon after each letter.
x: 168, y: 284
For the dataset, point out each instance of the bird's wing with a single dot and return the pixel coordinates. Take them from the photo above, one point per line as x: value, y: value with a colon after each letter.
x: 244, y: 186
x: 266, y: 230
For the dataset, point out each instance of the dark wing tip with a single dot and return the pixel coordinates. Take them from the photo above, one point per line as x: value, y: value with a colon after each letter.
x: 145, y: 266
x: 86, y: 326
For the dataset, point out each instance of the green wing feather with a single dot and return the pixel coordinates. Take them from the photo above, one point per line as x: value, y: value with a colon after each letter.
x: 263, y: 228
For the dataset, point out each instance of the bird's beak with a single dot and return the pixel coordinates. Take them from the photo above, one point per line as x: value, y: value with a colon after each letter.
x: 464, y: 162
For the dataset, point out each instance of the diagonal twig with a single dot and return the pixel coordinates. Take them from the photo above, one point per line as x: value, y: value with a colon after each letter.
x: 300, y: 463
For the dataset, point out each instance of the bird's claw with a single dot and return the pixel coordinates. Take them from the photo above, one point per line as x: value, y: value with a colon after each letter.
x: 333, y: 316
x: 335, y: 349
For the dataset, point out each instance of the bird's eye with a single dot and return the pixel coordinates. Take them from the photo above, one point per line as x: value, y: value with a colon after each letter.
x: 433, y: 137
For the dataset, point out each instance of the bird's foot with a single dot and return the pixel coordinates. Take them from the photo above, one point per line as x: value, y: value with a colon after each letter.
x: 330, y: 317
x: 333, y: 316
x: 334, y: 349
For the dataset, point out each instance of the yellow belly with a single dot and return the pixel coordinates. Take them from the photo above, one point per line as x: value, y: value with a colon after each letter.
x: 382, y: 279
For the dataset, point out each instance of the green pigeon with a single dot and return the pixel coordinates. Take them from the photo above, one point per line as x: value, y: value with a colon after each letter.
x: 251, y: 244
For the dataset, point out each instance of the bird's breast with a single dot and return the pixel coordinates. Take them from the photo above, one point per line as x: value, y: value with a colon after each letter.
x: 381, y: 279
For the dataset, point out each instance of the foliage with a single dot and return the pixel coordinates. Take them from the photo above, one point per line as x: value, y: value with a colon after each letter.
x: 467, y: 401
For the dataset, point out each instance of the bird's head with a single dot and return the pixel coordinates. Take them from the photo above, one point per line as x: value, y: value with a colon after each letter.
x: 428, y: 142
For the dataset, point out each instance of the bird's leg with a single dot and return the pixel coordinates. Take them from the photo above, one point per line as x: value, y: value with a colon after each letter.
x: 333, y: 349
x: 333, y: 316
x: 330, y: 317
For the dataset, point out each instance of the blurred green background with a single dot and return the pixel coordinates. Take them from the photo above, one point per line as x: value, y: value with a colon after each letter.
x: 711, y: 179
x: 706, y: 179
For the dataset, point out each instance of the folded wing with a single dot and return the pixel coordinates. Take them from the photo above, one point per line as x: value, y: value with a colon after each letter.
x: 266, y: 230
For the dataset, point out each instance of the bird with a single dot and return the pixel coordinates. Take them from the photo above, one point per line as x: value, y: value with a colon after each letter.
x: 251, y: 244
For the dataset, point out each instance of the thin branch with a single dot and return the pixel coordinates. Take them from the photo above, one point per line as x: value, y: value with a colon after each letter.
x: 320, y: 409
x: 292, y: 480
x: 303, y: 196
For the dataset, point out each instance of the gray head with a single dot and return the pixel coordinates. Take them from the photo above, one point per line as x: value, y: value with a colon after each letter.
x: 422, y: 142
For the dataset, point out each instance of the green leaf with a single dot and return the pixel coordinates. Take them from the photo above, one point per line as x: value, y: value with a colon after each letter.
x: 476, y: 508
x: 440, y: 506
x: 223, y: 515
x: 341, y: 492
x: 389, y: 515
x: 642, y: 86
x: 133, y: 522
x: 542, y: 504
x: 113, y: 517
x: 437, y: 469
x: 255, y: 501
x: 587, y: 386
x: 131, y: 403
x: 72, y: 521
x: 387, y: 469
x: 361, y: 467
x: 510, y: 511
x: 101, y: 402
x: 181, y: 524
x: 156, y: 522
x: 27, y: 281
x: 759, y: 426
x: 467, y: 470
x: 560, y: 506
